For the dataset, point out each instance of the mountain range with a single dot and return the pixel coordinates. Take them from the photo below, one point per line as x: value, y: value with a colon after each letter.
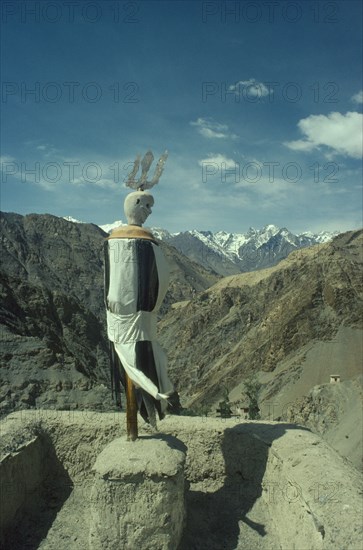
x: 291, y: 325
x: 232, y: 253
x: 54, y: 348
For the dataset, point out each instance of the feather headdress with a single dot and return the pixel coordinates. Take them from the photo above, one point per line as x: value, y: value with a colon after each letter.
x: 141, y: 184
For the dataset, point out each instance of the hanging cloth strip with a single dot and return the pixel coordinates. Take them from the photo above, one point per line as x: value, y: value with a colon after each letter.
x: 136, y: 281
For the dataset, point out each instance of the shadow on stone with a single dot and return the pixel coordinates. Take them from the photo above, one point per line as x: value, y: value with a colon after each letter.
x: 172, y: 442
x: 38, y: 505
x: 221, y: 516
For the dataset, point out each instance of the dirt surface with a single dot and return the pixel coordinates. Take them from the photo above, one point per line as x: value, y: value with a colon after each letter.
x: 251, y: 485
x: 299, y: 391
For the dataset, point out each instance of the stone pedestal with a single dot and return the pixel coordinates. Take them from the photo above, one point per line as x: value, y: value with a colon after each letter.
x: 137, y: 499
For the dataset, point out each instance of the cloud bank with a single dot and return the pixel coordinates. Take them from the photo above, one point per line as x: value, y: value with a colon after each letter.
x: 341, y: 133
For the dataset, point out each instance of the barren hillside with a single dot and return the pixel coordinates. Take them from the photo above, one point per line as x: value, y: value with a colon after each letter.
x: 54, y: 350
x: 254, y: 322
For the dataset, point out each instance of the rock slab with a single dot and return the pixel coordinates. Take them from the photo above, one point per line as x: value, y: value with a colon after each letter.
x: 137, y: 499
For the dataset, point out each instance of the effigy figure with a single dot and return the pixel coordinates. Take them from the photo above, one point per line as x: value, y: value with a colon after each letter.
x: 136, y: 281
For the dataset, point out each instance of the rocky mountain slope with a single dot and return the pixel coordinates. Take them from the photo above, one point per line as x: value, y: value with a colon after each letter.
x: 265, y: 322
x: 54, y: 350
x: 230, y: 253
x: 292, y: 325
x: 334, y: 411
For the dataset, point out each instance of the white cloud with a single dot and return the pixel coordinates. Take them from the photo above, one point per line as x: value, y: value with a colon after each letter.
x: 209, y: 128
x: 219, y: 161
x: 251, y: 88
x: 56, y: 171
x: 42, y: 148
x: 358, y: 98
x: 342, y: 133
x: 5, y: 159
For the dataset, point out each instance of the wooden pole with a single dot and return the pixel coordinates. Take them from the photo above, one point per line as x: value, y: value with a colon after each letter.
x: 131, y: 410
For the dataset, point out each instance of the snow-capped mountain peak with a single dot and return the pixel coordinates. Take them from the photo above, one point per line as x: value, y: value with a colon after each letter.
x: 270, y: 229
x: 108, y: 227
x: 322, y: 237
x: 229, y: 253
x: 70, y: 219
x: 161, y: 234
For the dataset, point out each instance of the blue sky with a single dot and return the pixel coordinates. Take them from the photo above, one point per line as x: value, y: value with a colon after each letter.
x: 258, y: 103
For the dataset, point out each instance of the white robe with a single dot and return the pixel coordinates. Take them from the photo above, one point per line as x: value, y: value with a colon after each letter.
x: 136, y: 281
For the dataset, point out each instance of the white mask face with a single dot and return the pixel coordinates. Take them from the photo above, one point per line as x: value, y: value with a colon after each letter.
x: 138, y: 207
